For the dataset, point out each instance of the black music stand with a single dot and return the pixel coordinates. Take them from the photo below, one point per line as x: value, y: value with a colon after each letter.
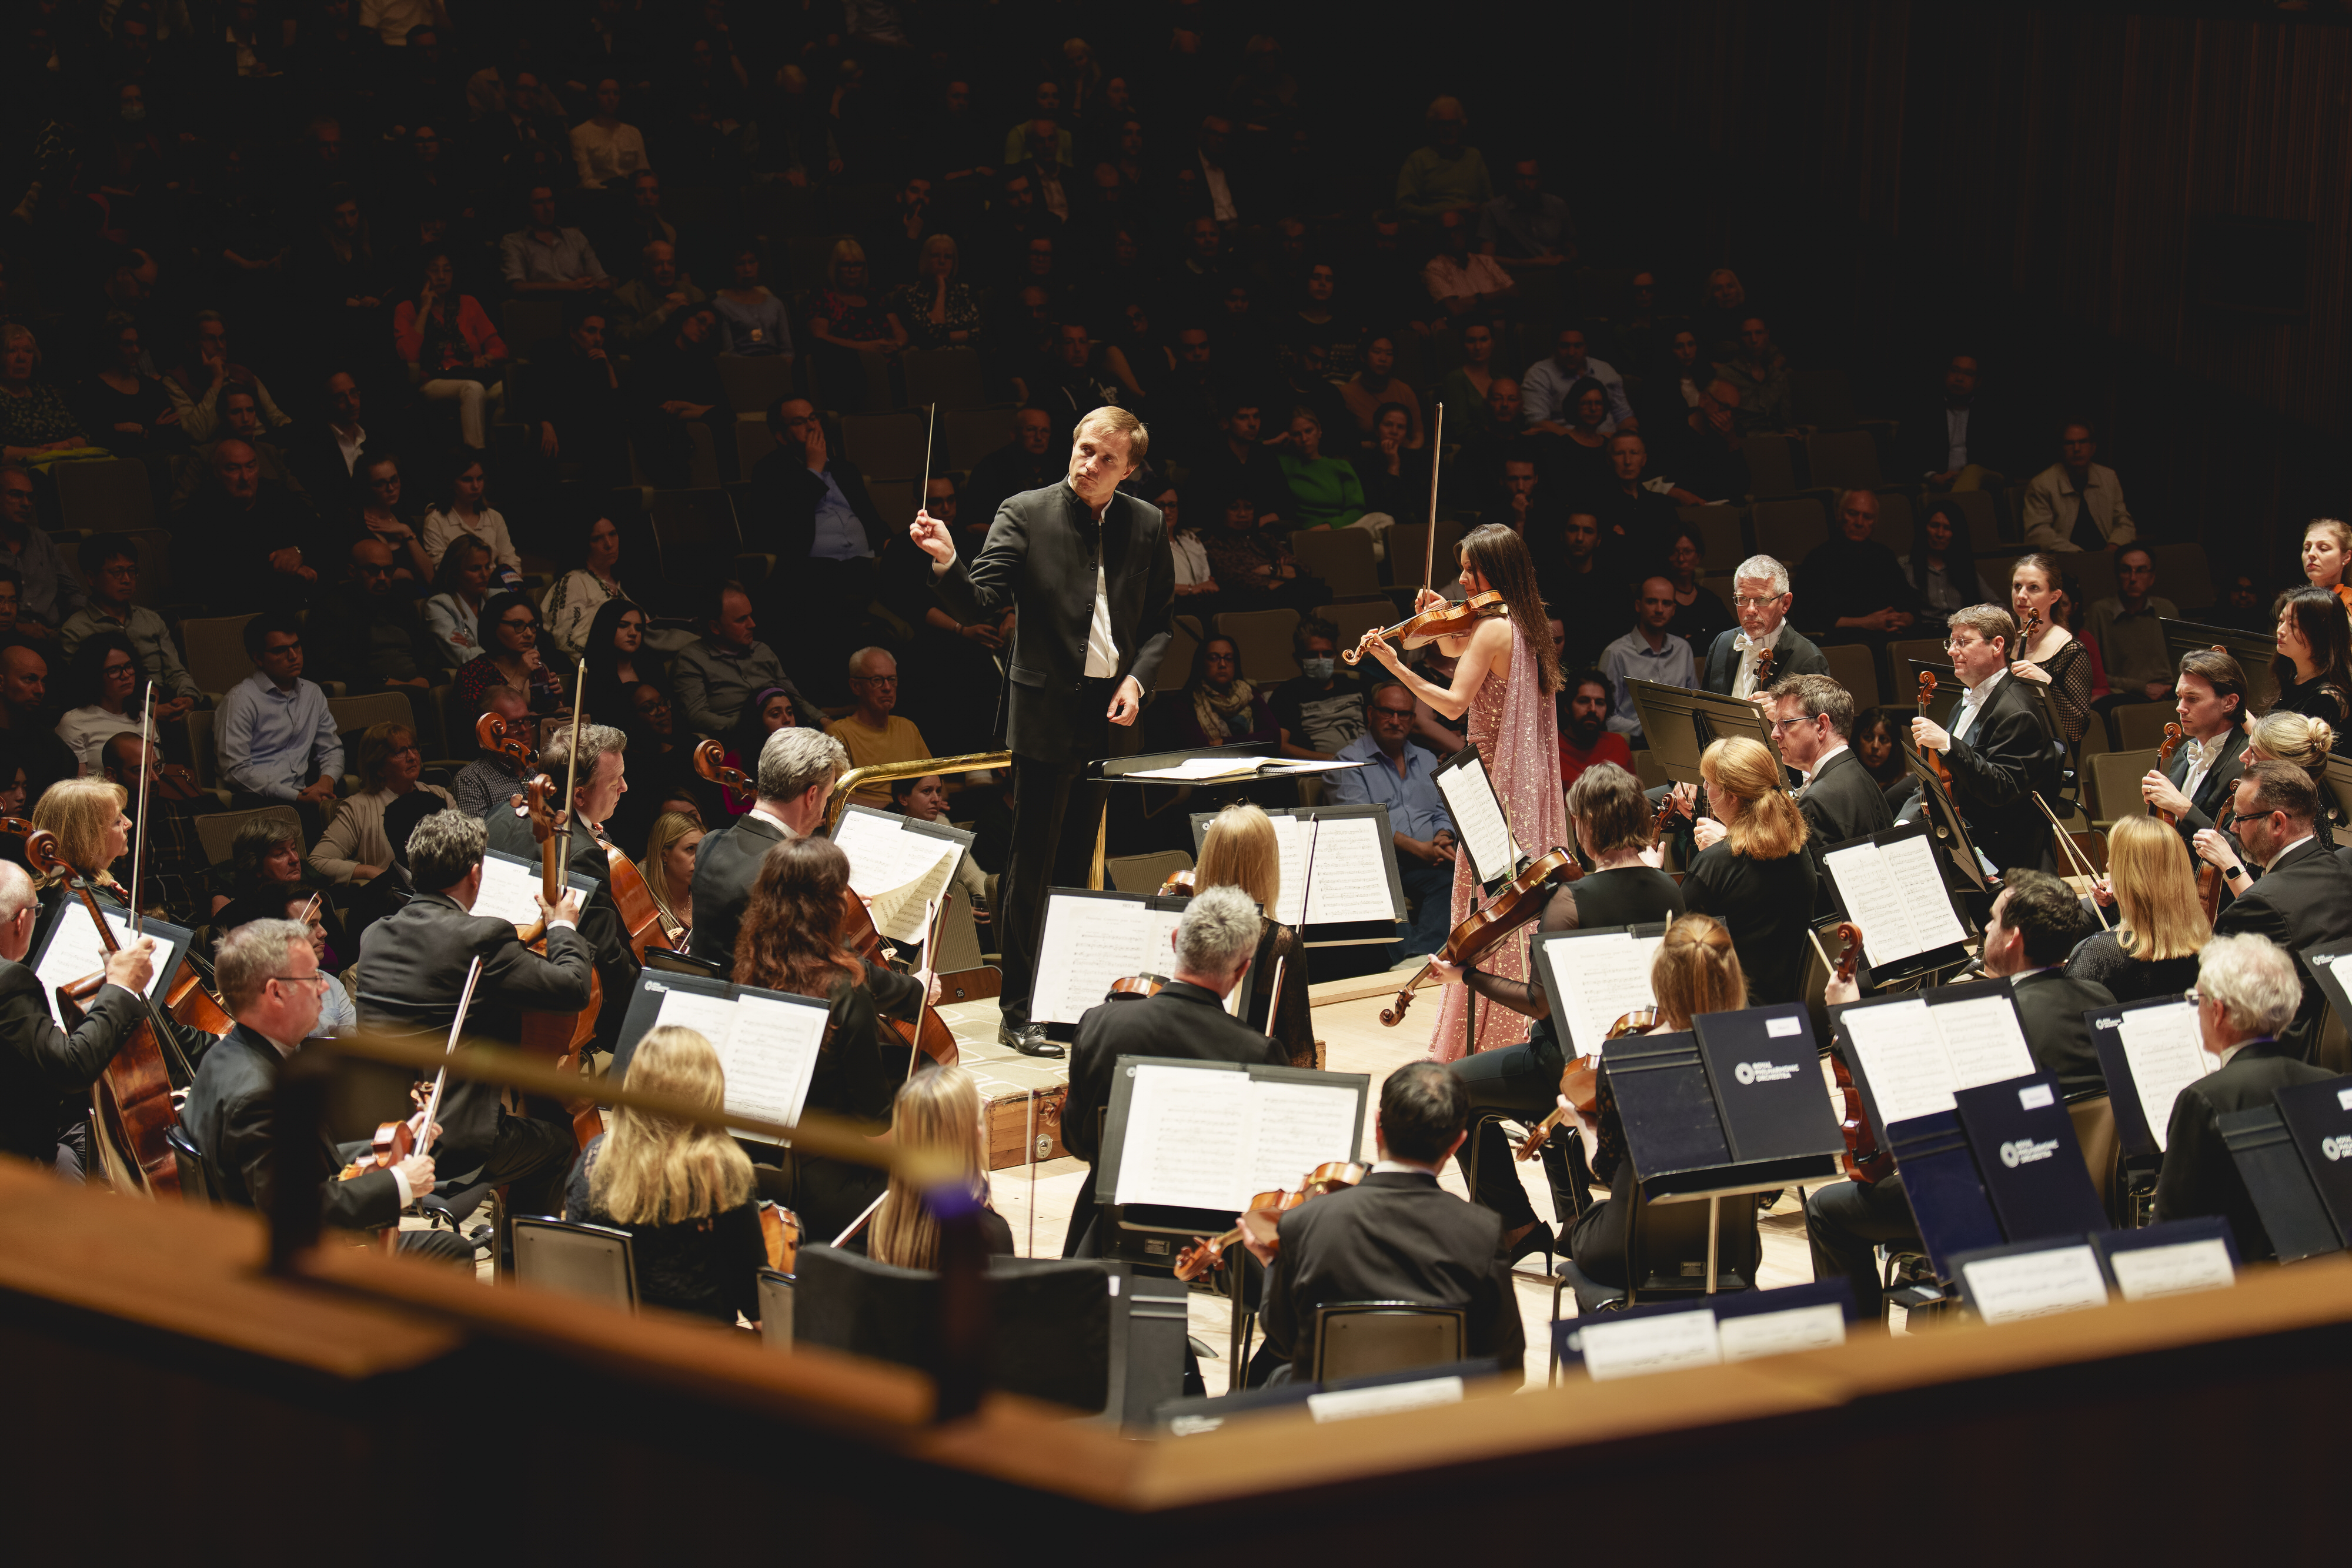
x: 1680, y: 722
x: 1345, y: 933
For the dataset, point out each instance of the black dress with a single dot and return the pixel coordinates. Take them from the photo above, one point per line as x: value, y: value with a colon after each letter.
x: 1626, y: 896
x: 858, y: 1076
x: 709, y: 1267
x: 2101, y: 959
x: 2318, y: 697
x: 1764, y: 905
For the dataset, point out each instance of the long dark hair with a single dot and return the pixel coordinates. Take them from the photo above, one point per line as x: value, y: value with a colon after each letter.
x: 603, y: 664
x: 789, y: 940
x: 494, y: 609
x: 1500, y: 556
x: 1959, y: 556
x: 85, y: 680
x: 2319, y: 616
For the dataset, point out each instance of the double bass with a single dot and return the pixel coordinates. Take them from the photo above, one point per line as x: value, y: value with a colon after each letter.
x: 1866, y: 1162
x: 1517, y: 902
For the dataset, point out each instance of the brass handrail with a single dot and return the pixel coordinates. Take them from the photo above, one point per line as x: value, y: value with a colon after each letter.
x: 882, y: 772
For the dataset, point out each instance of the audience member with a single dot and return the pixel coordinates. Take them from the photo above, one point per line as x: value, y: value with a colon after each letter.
x: 1024, y: 464
x: 47, y: 594
x: 1548, y: 391
x: 605, y: 150
x: 245, y: 546
x: 37, y: 423
x: 389, y: 518
x: 2076, y: 504
x: 123, y: 402
x: 717, y: 674
x: 544, y: 258
x: 1325, y: 492
x: 28, y: 730
x: 241, y: 420
x: 453, y: 614
x: 1527, y: 226
x: 442, y: 335
x: 1955, y: 443
x: 1585, y: 702
x: 1446, y: 176
x: 196, y: 382
x: 355, y: 848
x: 1854, y: 580
x: 874, y: 734
x: 1321, y: 710
x: 492, y: 781
x: 2126, y: 631
x: 1255, y: 570
x: 1221, y: 707
x: 1648, y: 653
x: 1461, y: 280
x: 1942, y: 568
x: 644, y: 307
x: 110, y: 565
x: 278, y: 744
x: 1759, y: 374
x: 1700, y: 614
x: 101, y: 696
x: 511, y: 657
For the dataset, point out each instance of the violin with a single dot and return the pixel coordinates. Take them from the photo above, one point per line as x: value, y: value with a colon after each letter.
x: 1520, y: 901
x: 176, y: 782
x: 1264, y: 1212
x: 1178, y: 886
x: 2172, y: 739
x: 780, y: 1230
x: 394, y: 1142
x: 1580, y: 1083
x: 560, y: 1037
x: 1658, y: 823
x: 1763, y: 669
x: 133, y: 1096
x: 1866, y: 1162
x: 1138, y: 984
x: 1452, y: 618
x: 1935, y: 759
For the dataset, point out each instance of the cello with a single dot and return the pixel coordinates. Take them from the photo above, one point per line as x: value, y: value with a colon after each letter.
x: 1520, y: 900
x: 1866, y: 1162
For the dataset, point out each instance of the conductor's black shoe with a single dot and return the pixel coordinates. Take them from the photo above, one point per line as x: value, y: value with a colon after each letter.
x: 1029, y: 1041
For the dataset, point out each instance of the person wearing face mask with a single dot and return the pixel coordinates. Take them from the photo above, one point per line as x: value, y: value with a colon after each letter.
x: 1321, y: 710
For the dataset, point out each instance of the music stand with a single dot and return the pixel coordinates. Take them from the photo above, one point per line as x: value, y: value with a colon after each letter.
x: 1680, y: 723
x: 1344, y: 932
x: 2254, y: 651
x: 1944, y: 817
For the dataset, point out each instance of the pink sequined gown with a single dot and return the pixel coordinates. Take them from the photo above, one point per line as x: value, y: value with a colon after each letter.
x: 1514, y: 725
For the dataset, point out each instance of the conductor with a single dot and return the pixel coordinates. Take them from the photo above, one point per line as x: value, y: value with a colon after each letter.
x: 1089, y: 574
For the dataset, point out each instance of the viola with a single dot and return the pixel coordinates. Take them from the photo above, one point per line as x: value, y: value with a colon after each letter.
x: 1138, y: 984
x: 1763, y: 669
x: 133, y: 1096
x: 1866, y: 1162
x: 1452, y: 618
x: 1520, y: 901
x: 1260, y: 1218
x: 2172, y: 739
x: 1935, y: 759
x: 560, y: 1037
x: 1580, y: 1083
x: 394, y: 1142
x: 176, y: 782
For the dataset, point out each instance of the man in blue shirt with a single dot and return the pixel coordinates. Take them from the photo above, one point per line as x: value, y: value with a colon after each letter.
x: 1402, y: 776
x: 277, y: 738
x: 1648, y: 653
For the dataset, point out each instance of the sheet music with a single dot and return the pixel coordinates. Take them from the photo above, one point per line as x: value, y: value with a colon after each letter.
x: 74, y: 953
x: 767, y: 1048
x: 1351, y: 881
x: 1087, y: 944
x: 1902, y: 1057
x: 1478, y: 820
x: 1188, y: 1137
x: 1872, y: 903
x: 509, y: 890
x: 1983, y: 1041
x: 1602, y: 978
x: 2167, y: 1054
x: 1198, y: 767
x: 1297, y: 1127
x: 1911, y: 868
x: 899, y: 871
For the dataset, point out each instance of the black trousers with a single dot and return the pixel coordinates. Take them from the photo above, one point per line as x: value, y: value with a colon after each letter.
x: 1054, y: 814
x: 1516, y: 1079
x: 1845, y: 1221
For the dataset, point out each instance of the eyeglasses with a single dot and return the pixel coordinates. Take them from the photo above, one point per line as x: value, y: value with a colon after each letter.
x: 1955, y: 646
x: 525, y: 624
x: 1755, y: 600
x: 873, y: 680
x: 317, y: 981
x: 2192, y: 996
x: 293, y: 647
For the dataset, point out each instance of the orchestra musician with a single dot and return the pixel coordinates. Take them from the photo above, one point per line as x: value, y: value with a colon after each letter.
x: 1186, y: 1017
x: 939, y: 1109
x: 412, y: 975
x: 2279, y: 736
x: 1998, y: 750
x: 1752, y: 872
x: 2248, y: 991
x: 270, y: 982
x: 1396, y: 1236
x: 2036, y: 921
x: 683, y: 1190
x: 796, y: 770
x: 1506, y: 673
x: 603, y: 780
x: 45, y: 1072
x: 790, y: 941
x: 1091, y: 574
x: 1612, y: 827
x: 1760, y: 600
x: 1812, y: 722
x: 1239, y: 851
x: 2305, y: 896
x: 2210, y: 695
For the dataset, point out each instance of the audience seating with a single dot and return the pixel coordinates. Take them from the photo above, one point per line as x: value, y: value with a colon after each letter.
x: 105, y: 497
x: 2184, y: 576
x: 2095, y: 572
x: 755, y: 385
x: 214, y: 650
x: 896, y: 499
x: 1771, y: 466
x: 695, y: 531
x: 354, y: 715
x: 776, y: 1291
x: 752, y: 441
x: 1723, y: 534
x: 968, y: 435
x: 1342, y: 558
x: 1896, y: 528
x: 1854, y: 666
x: 1409, y: 546
x: 1262, y: 637
x: 591, y: 1261
x: 1820, y: 396
x: 2140, y: 725
x: 1145, y: 874
x: 1986, y: 532
x: 952, y: 378
x: 1789, y: 530
x: 1845, y: 460
x: 884, y: 445
x: 1176, y: 664
x: 217, y: 831
x: 1353, y: 619
x: 2115, y: 777
x: 529, y: 325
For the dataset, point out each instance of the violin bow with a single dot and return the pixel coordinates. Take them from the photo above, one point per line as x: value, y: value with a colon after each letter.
x: 858, y: 1224
x: 139, y: 843
x: 1437, y: 459
x: 456, y: 1025
x: 570, y: 782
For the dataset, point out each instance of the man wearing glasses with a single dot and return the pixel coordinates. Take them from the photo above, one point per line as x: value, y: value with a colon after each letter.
x: 278, y: 744
x: 874, y: 733
x: 1761, y: 600
x: 1812, y: 720
x: 1997, y: 749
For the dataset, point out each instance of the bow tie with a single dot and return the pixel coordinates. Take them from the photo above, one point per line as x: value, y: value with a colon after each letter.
x: 1747, y: 644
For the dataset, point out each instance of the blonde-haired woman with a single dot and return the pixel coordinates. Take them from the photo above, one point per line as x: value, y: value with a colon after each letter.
x: 2153, y: 949
x: 1241, y: 851
x: 669, y: 865
x: 846, y: 322
x: 1752, y: 873
x: 938, y: 1111
x: 93, y: 833
x: 938, y: 310
x: 683, y: 1190
x: 1696, y: 971
x: 2281, y: 735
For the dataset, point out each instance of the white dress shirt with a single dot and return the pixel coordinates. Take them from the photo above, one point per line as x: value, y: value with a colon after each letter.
x: 1743, y: 680
x: 1102, y: 651
x: 1972, y: 705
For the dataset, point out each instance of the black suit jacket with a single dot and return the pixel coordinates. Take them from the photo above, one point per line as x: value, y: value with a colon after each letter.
x: 1180, y: 1019
x: 726, y: 866
x: 2213, y: 792
x: 599, y: 917
x: 786, y: 494
x: 1793, y: 653
x: 231, y: 1113
x: 412, y: 966
x: 2303, y: 901
x: 1842, y: 802
x: 2008, y: 756
x: 1040, y: 559
x: 2050, y: 1005
x: 2200, y: 1176
x: 1629, y: 896
x: 40, y: 1064
x: 1398, y: 1237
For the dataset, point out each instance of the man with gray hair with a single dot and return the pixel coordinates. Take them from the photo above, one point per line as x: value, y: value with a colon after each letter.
x: 40, y: 1064
x: 1761, y: 598
x: 797, y: 768
x: 270, y: 982
x: 1185, y: 1017
x: 875, y: 734
x: 2248, y: 988
x: 411, y: 973
x: 601, y: 782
